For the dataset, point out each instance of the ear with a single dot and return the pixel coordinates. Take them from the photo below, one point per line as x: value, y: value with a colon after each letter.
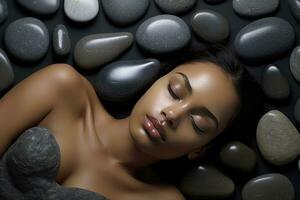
x: 197, y: 153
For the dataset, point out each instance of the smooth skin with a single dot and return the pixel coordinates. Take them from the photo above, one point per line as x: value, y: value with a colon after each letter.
x: 193, y: 104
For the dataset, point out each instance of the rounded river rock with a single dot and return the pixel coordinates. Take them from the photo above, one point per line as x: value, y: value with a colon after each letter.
x: 81, y: 10
x: 175, y: 7
x: 295, y: 63
x: 6, y: 71
x: 61, y: 40
x: 45, y: 7
x: 3, y: 10
x: 254, y: 8
x: 295, y: 8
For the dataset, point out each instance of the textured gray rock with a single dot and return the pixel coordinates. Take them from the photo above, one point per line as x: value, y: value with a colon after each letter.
x: 297, y: 111
x: 274, y: 84
x: 295, y: 63
x: 210, y: 25
x: 238, y: 156
x: 269, y: 187
x: 124, y: 12
x: 95, y: 50
x: 206, y: 182
x: 27, y: 39
x: 163, y: 34
x: 123, y: 80
x: 45, y: 7
x: 277, y: 138
x: 61, y: 41
x: 7, y: 75
x: 295, y: 8
x: 175, y: 7
x: 264, y: 39
x: 81, y: 10
x: 3, y: 10
x: 254, y: 8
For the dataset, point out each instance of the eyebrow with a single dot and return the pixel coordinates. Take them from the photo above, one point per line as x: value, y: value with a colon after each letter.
x: 203, y: 109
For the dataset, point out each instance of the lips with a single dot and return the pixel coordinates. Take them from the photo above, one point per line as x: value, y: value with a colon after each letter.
x: 153, y: 127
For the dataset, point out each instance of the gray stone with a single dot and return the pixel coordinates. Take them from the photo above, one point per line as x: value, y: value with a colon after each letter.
x: 3, y: 10
x: 81, y: 10
x: 238, y: 156
x: 206, y: 182
x: 45, y: 7
x: 210, y: 25
x: 214, y: 1
x: 95, y: 50
x: 295, y: 9
x: 124, y: 12
x: 175, y: 7
x: 163, y: 34
x: 27, y: 39
x: 122, y: 80
x: 254, y: 8
x: 7, y: 75
x: 274, y: 84
x: 269, y: 187
x: 297, y: 111
x: 264, y: 39
x: 277, y: 138
x: 295, y: 63
x: 61, y: 40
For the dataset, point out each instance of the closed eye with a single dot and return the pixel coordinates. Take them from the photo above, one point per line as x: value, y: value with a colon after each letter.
x: 172, y: 93
x: 197, y: 129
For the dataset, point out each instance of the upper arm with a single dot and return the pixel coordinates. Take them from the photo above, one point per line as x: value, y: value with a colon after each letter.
x: 30, y: 101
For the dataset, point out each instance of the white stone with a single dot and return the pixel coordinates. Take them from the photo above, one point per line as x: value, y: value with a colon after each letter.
x: 81, y: 10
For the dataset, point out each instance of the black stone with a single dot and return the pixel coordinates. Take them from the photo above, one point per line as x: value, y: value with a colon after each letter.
x: 175, y: 7
x: 6, y: 71
x: 3, y: 10
x: 295, y: 8
x: 61, y: 40
x: 44, y: 7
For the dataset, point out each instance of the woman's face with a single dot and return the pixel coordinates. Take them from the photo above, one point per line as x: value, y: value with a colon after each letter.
x: 183, y: 110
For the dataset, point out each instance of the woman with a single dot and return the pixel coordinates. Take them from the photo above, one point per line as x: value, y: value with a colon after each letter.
x: 178, y: 115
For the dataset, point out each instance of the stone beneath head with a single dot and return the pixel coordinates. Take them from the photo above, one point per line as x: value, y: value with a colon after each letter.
x: 81, y: 10
x: 175, y: 7
x: 45, y: 7
x: 61, y: 40
x: 6, y: 71
x: 295, y: 63
x: 277, y: 138
x: 3, y: 10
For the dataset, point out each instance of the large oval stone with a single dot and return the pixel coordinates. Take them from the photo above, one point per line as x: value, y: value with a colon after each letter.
x: 27, y: 39
x: 265, y: 38
x: 61, y: 40
x: 269, y: 187
x: 175, y: 7
x: 163, y: 34
x: 3, y: 10
x: 295, y: 63
x: 45, y: 7
x: 295, y: 8
x: 95, y: 50
x: 81, y: 10
x: 206, y: 182
x: 6, y: 71
x: 274, y: 84
x: 254, y: 8
x: 238, y: 156
x: 210, y: 25
x: 122, y: 80
x: 277, y: 138
x: 124, y: 12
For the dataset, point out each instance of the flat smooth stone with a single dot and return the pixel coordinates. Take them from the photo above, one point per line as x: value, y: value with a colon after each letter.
x: 27, y: 39
x: 81, y: 10
x: 277, y: 138
x: 264, y: 39
x: 274, y: 84
x: 269, y: 187
x: 295, y: 8
x: 210, y: 25
x: 123, y: 80
x: 6, y: 71
x: 44, y: 7
x: 95, y: 50
x: 125, y: 12
x: 175, y: 7
x: 295, y: 63
x: 206, y: 182
x: 254, y: 8
x: 163, y: 34
x: 61, y: 41
x: 214, y: 1
x: 3, y: 10
x: 297, y: 111
x: 238, y: 156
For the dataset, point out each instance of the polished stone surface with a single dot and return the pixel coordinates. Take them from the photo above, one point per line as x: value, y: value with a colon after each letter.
x: 95, y: 50
x: 3, y: 11
x: 61, y: 40
x: 81, y: 10
x: 295, y: 8
x: 277, y: 138
x: 6, y: 71
x: 269, y: 187
x: 175, y: 7
x: 254, y: 8
x: 163, y: 34
x: 295, y: 63
x: 206, y: 182
x: 123, y: 80
x: 264, y: 39
x: 210, y: 25
x: 274, y: 84
x: 27, y: 39
x: 124, y: 12
x: 239, y: 157
x: 44, y: 7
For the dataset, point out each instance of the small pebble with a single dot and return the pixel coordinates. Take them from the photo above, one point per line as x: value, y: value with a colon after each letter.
x: 61, y: 40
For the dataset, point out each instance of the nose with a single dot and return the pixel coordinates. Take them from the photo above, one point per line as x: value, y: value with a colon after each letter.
x: 173, y: 114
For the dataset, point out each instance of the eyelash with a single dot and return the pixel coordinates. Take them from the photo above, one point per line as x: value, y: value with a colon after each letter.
x: 201, y: 131
x: 172, y: 92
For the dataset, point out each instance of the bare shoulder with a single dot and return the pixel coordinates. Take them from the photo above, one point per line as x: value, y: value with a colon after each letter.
x: 168, y: 192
